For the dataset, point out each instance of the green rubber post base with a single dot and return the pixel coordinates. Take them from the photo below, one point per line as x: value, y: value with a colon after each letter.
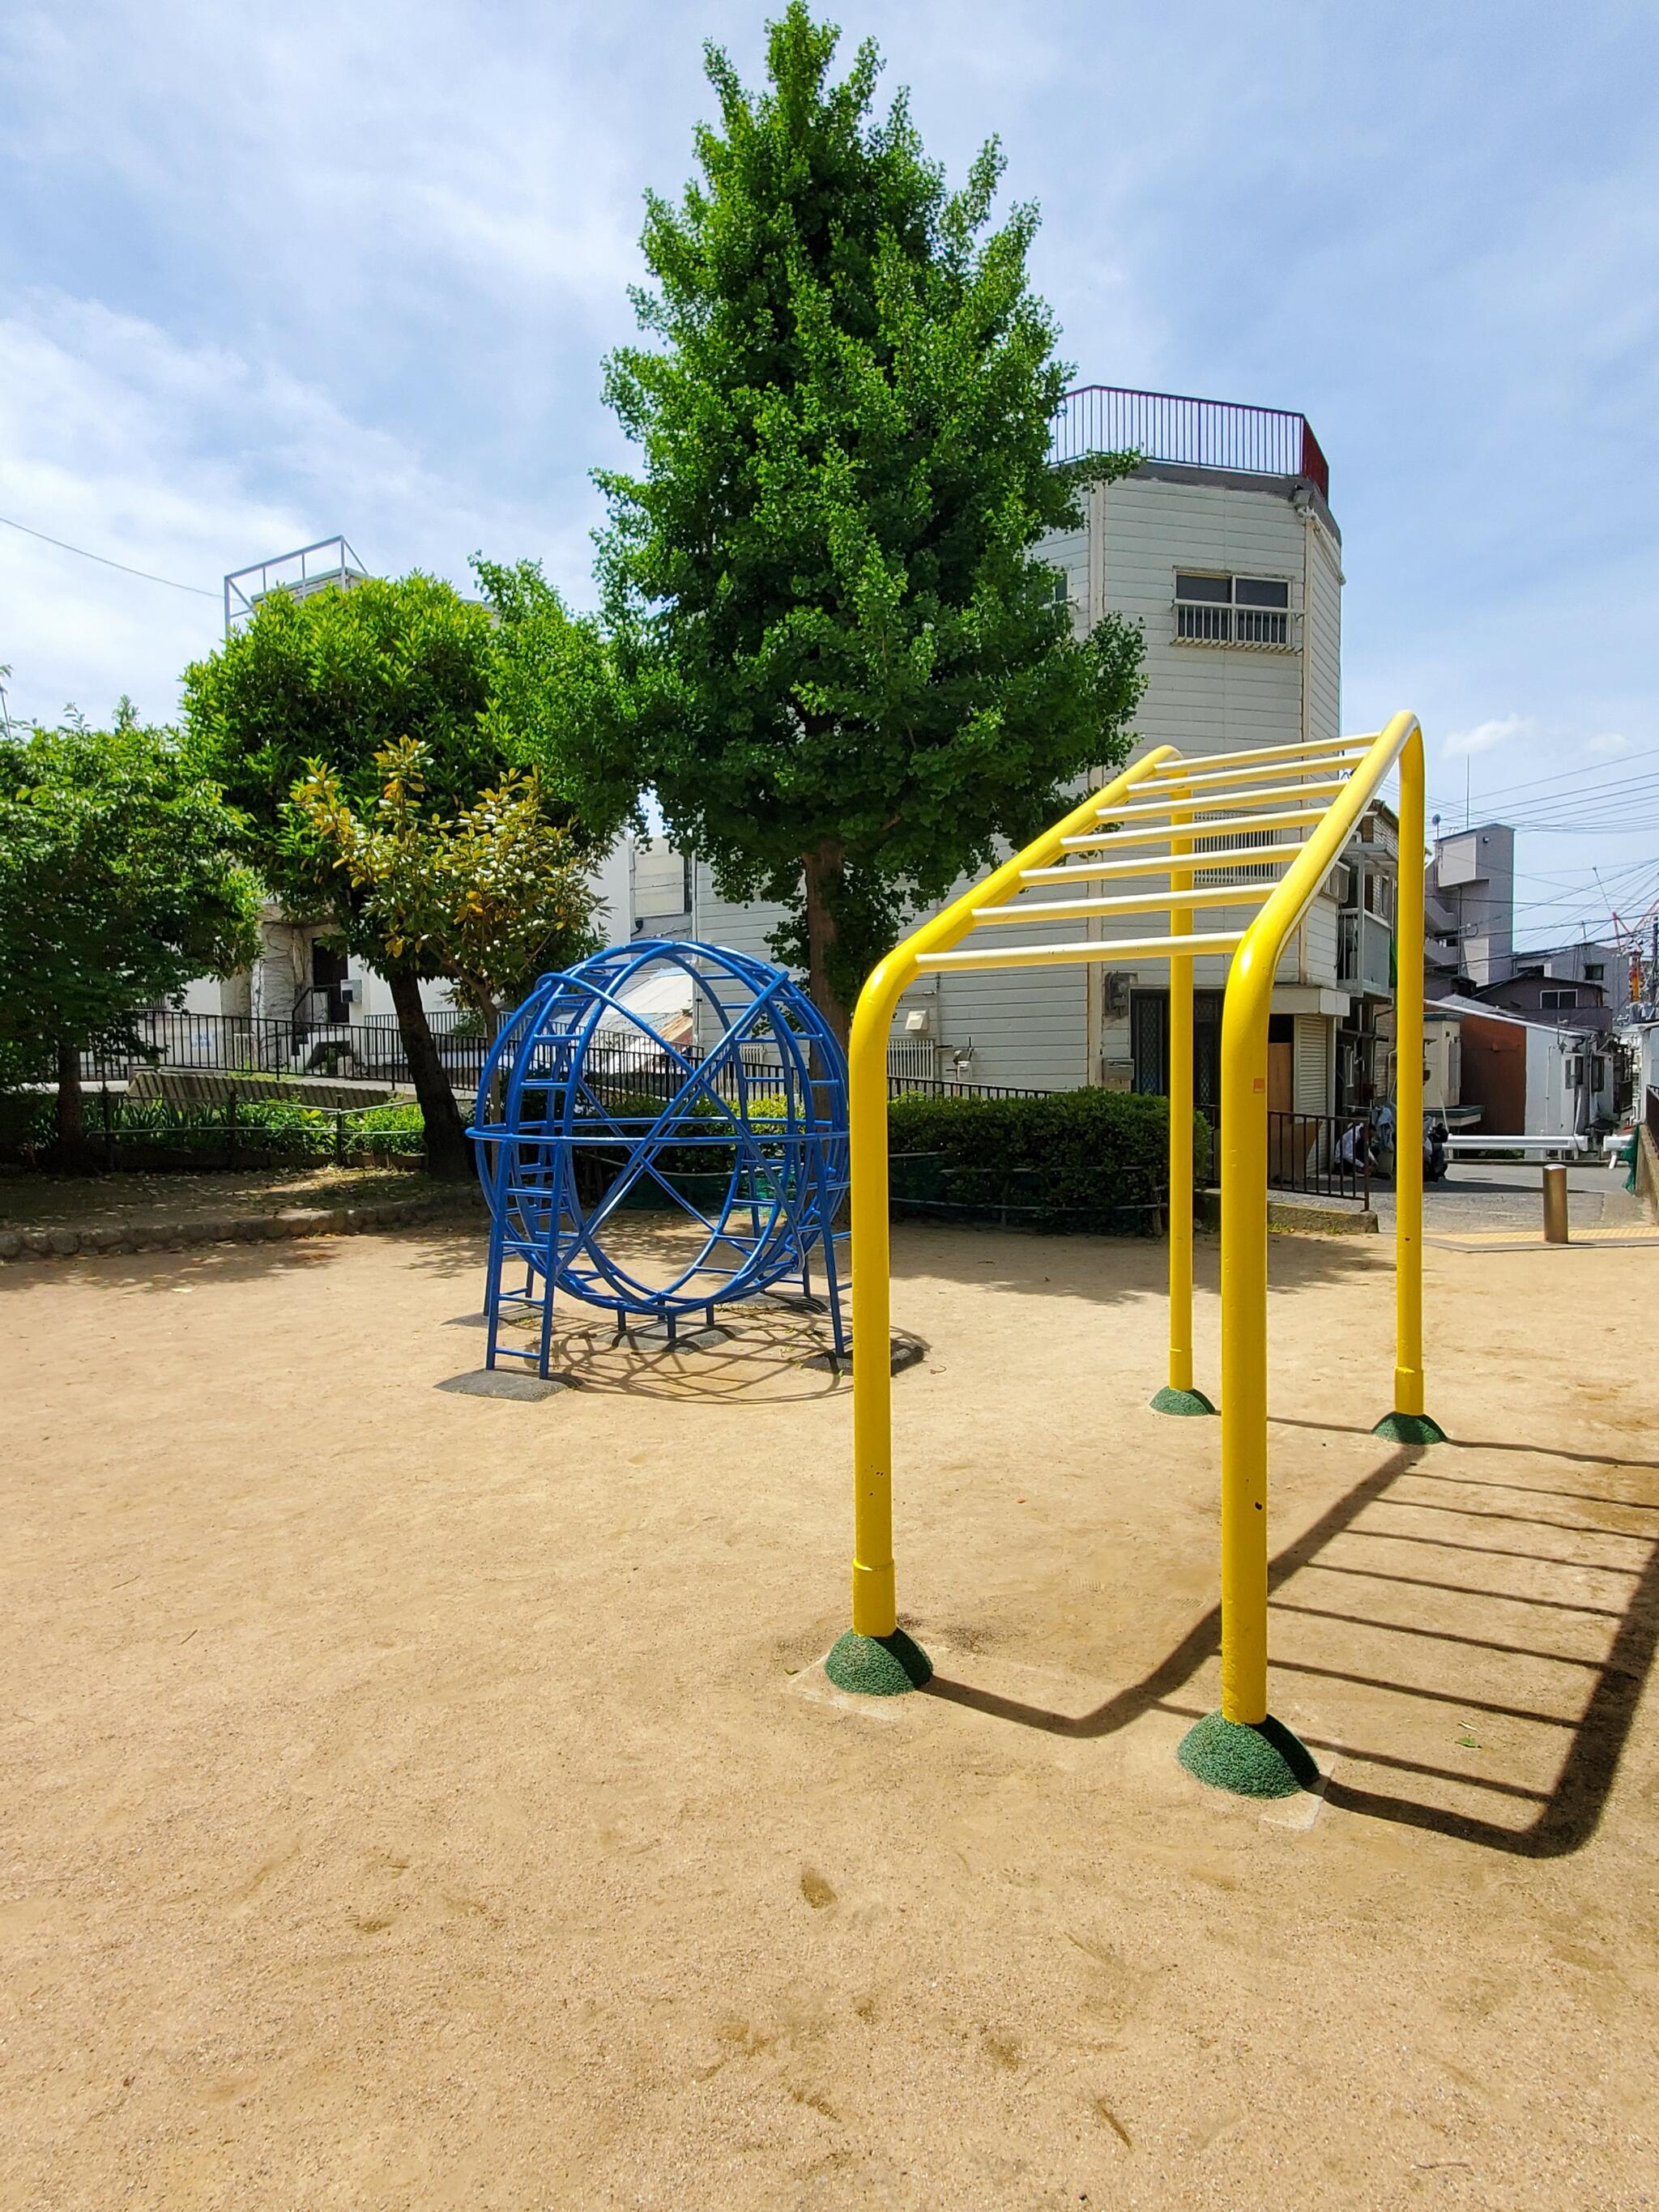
x: 1180, y: 1402
x: 1263, y: 1760
x: 1410, y: 1428
x: 878, y: 1666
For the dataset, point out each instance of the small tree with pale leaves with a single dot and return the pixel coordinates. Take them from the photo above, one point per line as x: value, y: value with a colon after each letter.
x: 490, y: 896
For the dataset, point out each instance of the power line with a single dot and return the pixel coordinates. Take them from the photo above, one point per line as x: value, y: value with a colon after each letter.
x: 104, y: 561
x: 1567, y: 774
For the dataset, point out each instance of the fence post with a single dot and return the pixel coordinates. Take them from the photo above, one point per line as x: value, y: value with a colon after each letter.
x: 109, y: 1134
x: 339, y: 1137
x: 230, y: 1129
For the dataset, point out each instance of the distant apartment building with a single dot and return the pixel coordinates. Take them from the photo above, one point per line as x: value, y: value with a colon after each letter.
x: 1222, y: 546
x: 1582, y: 986
x: 1469, y: 908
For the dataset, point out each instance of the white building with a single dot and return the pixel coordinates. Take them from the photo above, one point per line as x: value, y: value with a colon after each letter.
x: 1530, y: 1076
x: 300, y: 980
x: 1222, y: 544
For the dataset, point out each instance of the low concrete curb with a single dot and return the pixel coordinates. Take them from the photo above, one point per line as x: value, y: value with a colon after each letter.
x: 289, y: 1221
x: 1293, y: 1217
x: 1320, y: 1220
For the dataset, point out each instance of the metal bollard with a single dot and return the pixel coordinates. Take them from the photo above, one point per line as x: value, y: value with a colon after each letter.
x: 1555, y: 1205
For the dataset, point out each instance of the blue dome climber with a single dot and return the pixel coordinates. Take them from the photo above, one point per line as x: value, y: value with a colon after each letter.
x: 734, y: 1119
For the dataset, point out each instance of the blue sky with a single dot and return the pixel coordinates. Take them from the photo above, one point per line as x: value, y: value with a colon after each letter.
x: 266, y: 275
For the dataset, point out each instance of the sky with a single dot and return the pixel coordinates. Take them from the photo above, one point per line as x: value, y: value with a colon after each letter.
x: 267, y: 275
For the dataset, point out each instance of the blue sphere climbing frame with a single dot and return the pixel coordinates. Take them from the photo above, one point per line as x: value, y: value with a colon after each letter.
x: 588, y: 1109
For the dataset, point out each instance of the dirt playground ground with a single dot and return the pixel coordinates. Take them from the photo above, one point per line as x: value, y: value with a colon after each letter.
x: 414, y: 1798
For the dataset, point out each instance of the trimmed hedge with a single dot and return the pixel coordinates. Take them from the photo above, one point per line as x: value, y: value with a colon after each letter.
x: 1075, y: 1158
x: 149, y: 1132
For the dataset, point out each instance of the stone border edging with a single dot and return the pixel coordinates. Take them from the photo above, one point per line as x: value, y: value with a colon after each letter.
x: 62, y: 1242
x: 1290, y: 1218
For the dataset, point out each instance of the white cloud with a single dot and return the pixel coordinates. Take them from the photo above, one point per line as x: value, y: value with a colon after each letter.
x: 1609, y: 742
x: 188, y: 461
x: 1485, y: 735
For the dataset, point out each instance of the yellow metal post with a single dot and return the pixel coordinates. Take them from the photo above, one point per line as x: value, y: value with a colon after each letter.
x: 1181, y: 1139
x: 873, y: 1609
x: 1244, y: 1220
x: 1408, y: 1091
x: 1408, y: 1423
x: 1244, y: 1332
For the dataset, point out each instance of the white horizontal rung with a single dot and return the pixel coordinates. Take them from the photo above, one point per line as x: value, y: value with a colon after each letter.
x: 1152, y: 837
x: 1212, y: 798
x: 1198, y: 778
x: 1094, y: 948
x: 1303, y: 750
x: 1164, y: 864
x: 1135, y: 903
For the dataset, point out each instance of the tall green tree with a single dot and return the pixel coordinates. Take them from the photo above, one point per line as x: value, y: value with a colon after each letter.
x: 119, y: 883
x: 334, y: 680
x: 847, y: 676
x: 556, y: 706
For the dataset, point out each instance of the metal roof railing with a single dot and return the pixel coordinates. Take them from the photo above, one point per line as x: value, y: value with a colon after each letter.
x: 1204, y: 434
x: 307, y: 568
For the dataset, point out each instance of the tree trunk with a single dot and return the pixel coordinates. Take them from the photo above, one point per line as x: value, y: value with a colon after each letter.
x: 69, y: 1136
x: 821, y: 869
x: 447, y: 1148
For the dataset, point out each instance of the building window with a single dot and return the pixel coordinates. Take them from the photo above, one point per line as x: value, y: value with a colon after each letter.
x: 1553, y: 1001
x: 1212, y: 609
x: 1230, y: 841
x: 1575, y: 1070
x: 1595, y: 971
x: 1149, y: 1043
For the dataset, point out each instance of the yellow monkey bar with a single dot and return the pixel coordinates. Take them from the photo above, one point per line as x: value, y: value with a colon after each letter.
x: 1197, y: 808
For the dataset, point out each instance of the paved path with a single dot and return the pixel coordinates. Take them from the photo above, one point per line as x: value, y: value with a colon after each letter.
x: 1502, y: 1197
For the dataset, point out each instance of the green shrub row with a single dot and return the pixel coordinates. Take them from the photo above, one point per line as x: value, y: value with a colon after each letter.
x: 1076, y: 1158
x: 148, y: 1131
x: 1081, y: 1158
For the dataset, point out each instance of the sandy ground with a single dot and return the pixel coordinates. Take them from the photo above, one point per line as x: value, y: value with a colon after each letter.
x: 414, y: 1798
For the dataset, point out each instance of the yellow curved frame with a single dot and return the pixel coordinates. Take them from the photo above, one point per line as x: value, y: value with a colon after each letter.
x: 1364, y: 764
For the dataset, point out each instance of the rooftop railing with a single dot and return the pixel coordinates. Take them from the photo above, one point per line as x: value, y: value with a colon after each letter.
x: 1203, y: 433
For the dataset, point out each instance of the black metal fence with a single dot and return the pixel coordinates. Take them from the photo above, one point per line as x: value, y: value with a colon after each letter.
x: 1325, y: 1155
x: 1314, y: 1155
x: 373, y: 1052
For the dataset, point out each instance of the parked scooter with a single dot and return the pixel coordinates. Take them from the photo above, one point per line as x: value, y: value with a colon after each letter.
x: 1436, y: 1158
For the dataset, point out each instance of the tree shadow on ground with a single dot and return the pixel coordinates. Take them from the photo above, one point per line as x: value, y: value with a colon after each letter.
x: 1569, y: 1805
x: 172, y: 1268
x: 449, y: 1249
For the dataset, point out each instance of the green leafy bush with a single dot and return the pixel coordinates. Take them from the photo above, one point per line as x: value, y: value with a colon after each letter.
x: 1082, y: 1158
x: 151, y: 1132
